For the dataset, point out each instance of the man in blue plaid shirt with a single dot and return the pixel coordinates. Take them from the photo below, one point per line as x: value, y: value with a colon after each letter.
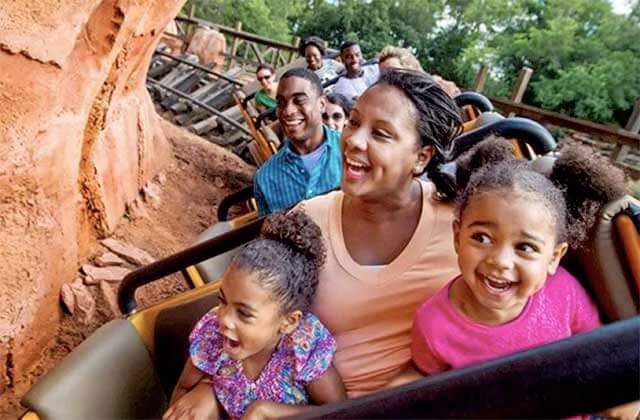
x: 310, y: 162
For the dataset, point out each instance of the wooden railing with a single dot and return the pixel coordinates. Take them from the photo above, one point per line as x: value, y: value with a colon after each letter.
x: 244, y: 48
x: 624, y: 143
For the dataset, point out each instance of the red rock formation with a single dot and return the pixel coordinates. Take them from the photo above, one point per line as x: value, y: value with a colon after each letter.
x: 78, y: 139
x: 209, y: 45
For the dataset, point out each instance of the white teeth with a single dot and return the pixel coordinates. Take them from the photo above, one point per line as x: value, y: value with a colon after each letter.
x: 355, y: 164
x: 498, y: 284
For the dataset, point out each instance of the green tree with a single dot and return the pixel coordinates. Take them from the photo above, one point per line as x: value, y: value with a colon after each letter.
x: 582, y: 54
x: 267, y: 18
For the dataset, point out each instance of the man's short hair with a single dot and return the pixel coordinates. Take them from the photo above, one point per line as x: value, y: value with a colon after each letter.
x: 304, y: 74
x: 347, y: 44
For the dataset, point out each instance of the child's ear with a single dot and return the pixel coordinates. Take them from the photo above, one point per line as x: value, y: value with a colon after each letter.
x: 456, y: 235
x: 558, y: 253
x: 290, y: 322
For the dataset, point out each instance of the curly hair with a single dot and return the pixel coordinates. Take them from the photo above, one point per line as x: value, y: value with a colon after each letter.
x: 314, y: 41
x: 489, y: 151
x: 581, y: 182
x: 287, y: 258
x: 404, y: 55
x: 437, y: 119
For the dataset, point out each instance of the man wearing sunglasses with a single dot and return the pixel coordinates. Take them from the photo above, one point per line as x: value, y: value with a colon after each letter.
x: 309, y: 162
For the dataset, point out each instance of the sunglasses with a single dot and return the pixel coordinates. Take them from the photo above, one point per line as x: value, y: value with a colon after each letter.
x: 334, y: 116
x: 260, y: 79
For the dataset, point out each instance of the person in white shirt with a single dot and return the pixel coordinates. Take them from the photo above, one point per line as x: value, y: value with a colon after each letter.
x: 358, y: 77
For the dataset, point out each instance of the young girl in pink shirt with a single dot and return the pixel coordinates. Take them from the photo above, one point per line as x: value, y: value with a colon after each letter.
x: 512, y: 228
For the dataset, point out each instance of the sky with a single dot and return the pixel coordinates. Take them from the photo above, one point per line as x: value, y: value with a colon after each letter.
x: 621, y: 7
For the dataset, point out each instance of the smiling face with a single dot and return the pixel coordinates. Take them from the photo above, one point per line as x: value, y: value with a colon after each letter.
x: 266, y: 78
x: 251, y: 322
x: 506, y: 245
x: 352, y: 59
x: 380, y: 144
x: 300, y: 109
x: 313, y: 57
x: 334, y: 117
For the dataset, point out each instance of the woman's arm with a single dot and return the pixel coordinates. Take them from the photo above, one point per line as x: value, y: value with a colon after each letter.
x: 189, y: 378
x: 326, y: 389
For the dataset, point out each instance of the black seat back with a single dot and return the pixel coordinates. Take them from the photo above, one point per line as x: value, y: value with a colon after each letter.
x: 172, y: 329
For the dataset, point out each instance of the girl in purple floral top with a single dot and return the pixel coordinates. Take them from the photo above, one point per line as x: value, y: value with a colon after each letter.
x: 260, y: 351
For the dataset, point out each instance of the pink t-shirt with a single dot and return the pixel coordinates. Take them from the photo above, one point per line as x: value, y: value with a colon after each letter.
x: 443, y: 338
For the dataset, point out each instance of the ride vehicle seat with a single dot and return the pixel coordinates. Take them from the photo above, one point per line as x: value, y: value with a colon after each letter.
x: 129, y: 366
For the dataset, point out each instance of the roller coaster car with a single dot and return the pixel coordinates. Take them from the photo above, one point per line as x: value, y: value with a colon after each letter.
x: 128, y: 367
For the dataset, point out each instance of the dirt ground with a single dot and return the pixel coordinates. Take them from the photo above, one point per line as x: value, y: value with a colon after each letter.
x: 200, y: 175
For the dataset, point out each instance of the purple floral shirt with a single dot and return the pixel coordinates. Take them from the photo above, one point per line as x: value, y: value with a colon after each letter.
x: 299, y: 358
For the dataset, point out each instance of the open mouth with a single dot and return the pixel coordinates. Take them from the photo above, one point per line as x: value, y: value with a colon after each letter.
x: 497, y: 286
x: 230, y: 343
x: 355, y: 169
x: 292, y: 125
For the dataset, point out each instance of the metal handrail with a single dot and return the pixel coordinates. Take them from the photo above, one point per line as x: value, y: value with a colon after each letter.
x: 181, y: 260
x: 529, y: 131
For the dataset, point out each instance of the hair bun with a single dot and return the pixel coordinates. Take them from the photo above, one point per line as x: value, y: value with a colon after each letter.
x: 488, y: 152
x: 296, y: 230
x: 588, y: 182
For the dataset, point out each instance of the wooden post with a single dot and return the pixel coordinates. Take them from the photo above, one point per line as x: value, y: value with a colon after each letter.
x: 234, y: 45
x: 521, y: 84
x: 296, y: 44
x: 633, y: 125
x: 191, y: 29
x: 516, y: 96
x: 276, y: 58
x: 481, y: 79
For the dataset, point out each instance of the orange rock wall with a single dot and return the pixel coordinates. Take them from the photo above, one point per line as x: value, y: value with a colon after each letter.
x: 78, y: 139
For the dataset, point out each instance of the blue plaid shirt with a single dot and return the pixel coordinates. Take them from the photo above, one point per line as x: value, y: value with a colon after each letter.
x: 283, y: 180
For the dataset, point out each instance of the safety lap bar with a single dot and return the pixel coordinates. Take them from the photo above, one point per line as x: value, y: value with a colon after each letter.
x: 233, y: 199
x: 532, y: 133
x: 580, y: 375
x: 181, y: 260
x: 479, y: 101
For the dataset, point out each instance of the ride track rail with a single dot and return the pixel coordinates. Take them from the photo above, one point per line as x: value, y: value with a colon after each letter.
x: 200, y: 67
x: 198, y: 103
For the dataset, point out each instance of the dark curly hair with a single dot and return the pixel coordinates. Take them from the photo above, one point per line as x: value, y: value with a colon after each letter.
x: 581, y: 182
x: 315, y: 41
x: 437, y: 119
x: 287, y: 258
x: 489, y: 151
